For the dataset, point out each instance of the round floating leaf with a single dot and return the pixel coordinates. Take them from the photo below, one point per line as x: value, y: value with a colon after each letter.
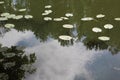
x: 28, y: 16
x: 9, y: 25
x: 104, y: 38
x: 5, y: 14
x: 48, y: 11
x: 44, y: 14
x: 87, y: 19
x: 10, y: 16
x: 68, y: 26
x: 108, y: 26
x: 18, y: 17
x: 3, y: 18
x: 100, y: 15
x: 65, y: 18
x: 57, y: 19
x: 65, y: 37
x: 47, y: 18
x: 48, y: 6
x: 68, y: 14
x: 96, y: 29
x: 2, y: 2
x: 22, y: 10
x: 117, y: 19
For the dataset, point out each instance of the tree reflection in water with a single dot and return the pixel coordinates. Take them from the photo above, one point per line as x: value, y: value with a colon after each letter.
x: 14, y: 64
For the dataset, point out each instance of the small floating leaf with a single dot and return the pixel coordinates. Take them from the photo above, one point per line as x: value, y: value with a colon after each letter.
x: 57, y: 19
x: 104, y: 38
x: 87, y: 19
x: 44, y: 14
x: 3, y: 18
x: 65, y: 37
x: 68, y: 14
x: 48, y: 6
x: 10, y: 16
x: 47, y: 18
x: 5, y: 14
x: 68, y: 26
x: 2, y: 2
x: 117, y: 19
x: 65, y: 18
x: 48, y: 11
x: 9, y: 25
x: 108, y: 26
x: 28, y: 16
x: 96, y: 29
x: 100, y: 16
x: 22, y: 10
x: 18, y: 17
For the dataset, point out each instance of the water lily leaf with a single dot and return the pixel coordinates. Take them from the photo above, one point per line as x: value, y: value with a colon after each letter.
x: 28, y: 16
x: 22, y: 10
x: 48, y: 11
x: 65, y: 18
x: 47, y: 18
x: 104, y: 38
x: 57, y: 19
x: 3, y: 18
x: 9, y: 25
x: 48, y: 6
x: 117, y: 19
x: 87, y: 19
x: 69, y: 14
x: 108, y: 26
x: 96, y: 29
x: 68, y: 26
x: 65, y: 37
x: 18, y: 17
x: 2, y: 2
x: 5, y: 14
x: 10, y: 16
x: 100, y: 16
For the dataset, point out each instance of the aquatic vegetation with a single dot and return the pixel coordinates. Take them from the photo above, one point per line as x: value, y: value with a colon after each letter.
x: 100, y: 16
x: 108, y: 26
x: 48, y: 6
x: 28, y: 16
x: 18, y: 17
x: 22, y: 10
x: 87, y: 19
x: 68, y: 26
x: 69, y: 14
x: 10, y: 16
x: 5, y: 14
x: 117, y: 19
x: 57, y: 19
x: 2, y: 2
x: 48, y: 11
x: 65, y: 18
x: 9, y: 25
x: 47, y: 18
x: 44, y: 14
x: 3, y: 18
x: 104, y: 38
x: 65, y: 37
x: 96, y: 29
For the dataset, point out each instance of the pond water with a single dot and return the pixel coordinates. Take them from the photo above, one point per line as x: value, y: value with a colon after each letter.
x: 82, y: 56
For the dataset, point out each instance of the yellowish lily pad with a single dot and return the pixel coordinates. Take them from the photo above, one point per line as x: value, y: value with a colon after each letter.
x: 28, y: 16
x: 96, y: 29
x: 8, y: 25
x: 68, y: 26
x: 104, y: 38
x: 87, y: 19
x: 65, y: 37
x: 108, y: 26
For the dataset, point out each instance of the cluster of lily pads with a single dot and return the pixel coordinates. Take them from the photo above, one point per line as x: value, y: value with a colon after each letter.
x: 48, y: 11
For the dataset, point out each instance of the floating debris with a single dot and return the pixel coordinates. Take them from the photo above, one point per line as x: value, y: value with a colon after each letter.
x: 65, y: 37
x: 68, y: 26
x: 65, y: 18
x: 117, y: 19
x: 100, y: 16
x: 10, y: 16
x: 28, y: 16
x: 2, y: 2
x: 69, y: 14
x: 87, y: 19
x: 22, y: 10
x: 96, y: 29
x: 47, y: 18
x: 9, y: 25
x: 18, y: 17
x: 57, y: 19
x: 5, y: 14
x: 48, y: 6
x: 3, y: 18
x: 108, y: 26
x: 104, y: 38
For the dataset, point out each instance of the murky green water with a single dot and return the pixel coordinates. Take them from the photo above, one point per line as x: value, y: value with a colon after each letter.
x: 84, y: 57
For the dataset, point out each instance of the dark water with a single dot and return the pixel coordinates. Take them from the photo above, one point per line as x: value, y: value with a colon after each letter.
x: 82, y: 58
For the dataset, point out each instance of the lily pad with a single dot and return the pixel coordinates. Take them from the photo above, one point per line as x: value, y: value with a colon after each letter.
x: 117, y: 19
x: 69, y: 14
x: 28, y: 16
x: 2, y: 2
x: 9, y: 25
x: 87, y: 19
x: 5, y: 14
x: 44, y: 14
x: 65, y: 18
x: 57, y: 19
x: 47, y: 18
x: 10, y: 16
x: 108, y: 26
x: 22, y: 10
x: 100, y: 15
x: 96, y: 29
x: 18, y: 17
x: 104, y: 38
x: 48, y: 6
x: 3, y: 18
x: 68, y: 26
x: 48, y: 11
x: 65, y: 37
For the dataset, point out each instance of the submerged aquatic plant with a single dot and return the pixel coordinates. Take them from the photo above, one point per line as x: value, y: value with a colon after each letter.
x: 96, y: 29
x: 68, y: 26
x: 65, y: 37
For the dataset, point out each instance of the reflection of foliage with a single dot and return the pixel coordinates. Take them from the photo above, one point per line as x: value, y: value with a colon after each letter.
x: 14, y: 64
x: 66, y: 43
x: 96, y: 44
